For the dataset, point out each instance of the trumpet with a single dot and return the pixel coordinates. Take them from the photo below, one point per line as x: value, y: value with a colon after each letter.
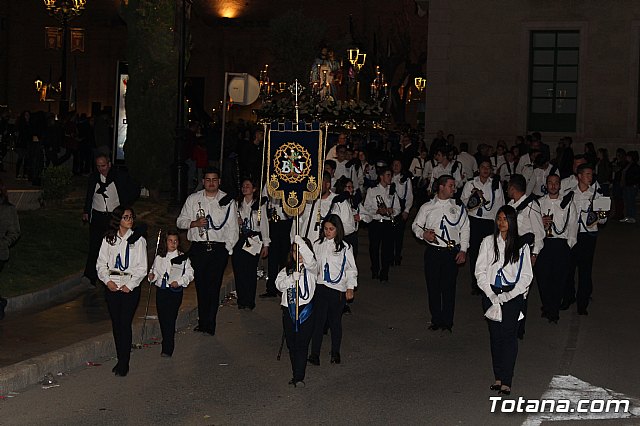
x: 202, y: 230
x: 199, y: 215
x: 476, y: 200
x: 383, y: 205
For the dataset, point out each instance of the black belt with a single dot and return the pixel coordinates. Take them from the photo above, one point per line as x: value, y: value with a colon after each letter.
x: 208, y: 243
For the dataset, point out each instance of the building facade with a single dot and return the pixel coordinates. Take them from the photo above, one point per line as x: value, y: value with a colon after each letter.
x: 496, y: 70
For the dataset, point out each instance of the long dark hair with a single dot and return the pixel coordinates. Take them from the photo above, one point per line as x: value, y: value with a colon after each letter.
x: 511, y: 246
x: 162, y: 246
x: 335, y: 220
x: 291, y: 258
x: 114, y: 223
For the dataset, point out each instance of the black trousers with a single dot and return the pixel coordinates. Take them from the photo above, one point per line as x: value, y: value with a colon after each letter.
x: 398, y: 238
x: 328, y: 307
x: 504, y: 339
x: 298, y: 342
x: 122, y: 307
x: 245, y: 271
x: 480, y: 228
x: 440, y: 273
x: 352, y: 239
x: 552, y: 267
x: 581, y: 258
x: 167, y: 304
x: 279, y: 248
x: 208, y: 268
x: 381, y: 242
x: 97, y: 228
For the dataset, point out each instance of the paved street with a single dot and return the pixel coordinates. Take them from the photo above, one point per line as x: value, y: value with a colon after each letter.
x: 393, y: 371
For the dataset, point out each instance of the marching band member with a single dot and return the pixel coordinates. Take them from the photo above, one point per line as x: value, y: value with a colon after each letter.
x: 560, y: 220
x: 530, y: 227
x: 504, y: 274
x: 343, y: 166
x: 209, y: 217
x: 537, y: 185
x: 443, y: 223
x: 481, y: 208
x: 381, y: 206
x: 315, y: 212
x: 171, y: 272
x: 507, y: 169
x: 298, y: 334
x: 421, y: 170
x: 121, y: 266
x: 337, y: 278
x: 446, y: 167
x: 252, y: 245
x: 346, y: 204
x: 280, y: 245
x: 583, y: 251
x: 402, y: 186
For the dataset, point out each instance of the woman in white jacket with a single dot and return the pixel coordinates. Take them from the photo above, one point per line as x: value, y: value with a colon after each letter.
x: 504, y: 273
x: 121, y: 266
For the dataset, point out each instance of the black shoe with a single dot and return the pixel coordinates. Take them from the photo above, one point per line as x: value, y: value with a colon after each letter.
x: 267, y: 294
x: 164, y: 355
x: 297, y: 383
x: 115, y: 368
x: 335, y: 358
x: 495, y: 387
x: 314, y: 359
x: 449, y: 329
x: 375, y: 275
x: 434, y: 327
x: 122, y: 371
x: 3, y: 304
x: 384, y: 278
x: 398, y: 261
x: 565, y: 304
x: 198, y: 329
x: 242, y: 307
x: 583, y: 311
x: 506, y: 391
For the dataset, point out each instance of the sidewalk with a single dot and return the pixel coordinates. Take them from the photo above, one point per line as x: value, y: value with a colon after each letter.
x: 73, y: 329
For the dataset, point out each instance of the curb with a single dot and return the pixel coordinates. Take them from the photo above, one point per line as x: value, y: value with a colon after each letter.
x: 25, y: 373
x: 40, y: 297
x: 31, y: 371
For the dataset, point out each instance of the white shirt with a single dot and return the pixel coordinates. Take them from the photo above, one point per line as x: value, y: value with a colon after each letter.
x: 274, y: 206
x: 285, y: 281
x: 440, y: 170
x: 404, y: 191
x: 469, y: 165
x: 163, y: 265
x: 309, y: 226
x: 347, y: 215
x: 105, y: 204
x: 134, y: 268
x: 497, y: 161
x: 582, y: 201
x: 223, y: 217
x: 447, y: 219
x: 249, y: 219
x: 524, y: 161
x: 506, y: 170
x: 343, y: 170
x: 537, y: 185
x: 340, y: 265
x: 418, y: 168
x: 371, y: 203
x: 487, y: 270
x: 565, y: 221
x: 571, y: 184
x: 530, y: 220
x: 495, y: 198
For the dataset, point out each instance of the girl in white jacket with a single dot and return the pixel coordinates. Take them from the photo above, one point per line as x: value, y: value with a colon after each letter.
x: 171, y: 272
x: 298, y: 331
x: 504, y: 273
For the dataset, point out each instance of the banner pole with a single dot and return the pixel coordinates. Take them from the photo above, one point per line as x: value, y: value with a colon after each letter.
x: 298, y: 270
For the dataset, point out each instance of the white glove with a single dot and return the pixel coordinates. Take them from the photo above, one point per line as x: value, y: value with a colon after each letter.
x: 495, y: 300
x: 296, y: 276
x: 503, y: 298
x: 299, y: 241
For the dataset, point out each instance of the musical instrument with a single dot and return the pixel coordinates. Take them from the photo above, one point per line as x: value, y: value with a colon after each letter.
x: 202, y: 230
x: 476, y: 200
x: 549, y: 227
x: 383, y: 205
x: 598, y: 210
x: 451, y: 244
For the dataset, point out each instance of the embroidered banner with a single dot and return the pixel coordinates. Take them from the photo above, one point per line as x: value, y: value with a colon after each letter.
x: 294, y: 166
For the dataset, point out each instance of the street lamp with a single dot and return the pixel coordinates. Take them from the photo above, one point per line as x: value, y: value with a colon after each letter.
x: 64, y: 11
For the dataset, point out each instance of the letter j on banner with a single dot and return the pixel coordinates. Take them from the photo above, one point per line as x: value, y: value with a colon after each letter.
x: 294, y: 167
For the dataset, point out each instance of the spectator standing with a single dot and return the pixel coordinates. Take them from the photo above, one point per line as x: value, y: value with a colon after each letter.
x: 9, y: 233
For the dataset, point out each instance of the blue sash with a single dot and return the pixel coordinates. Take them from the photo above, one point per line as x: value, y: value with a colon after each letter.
x: 119, y: 264
x: 500, y: 278
x: 210, y: 224
x: 165, y: 279
x: 327, y: 275
x: 306, y: 311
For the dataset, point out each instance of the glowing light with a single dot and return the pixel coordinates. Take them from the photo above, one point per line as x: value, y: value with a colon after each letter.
x: 229, y: 8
